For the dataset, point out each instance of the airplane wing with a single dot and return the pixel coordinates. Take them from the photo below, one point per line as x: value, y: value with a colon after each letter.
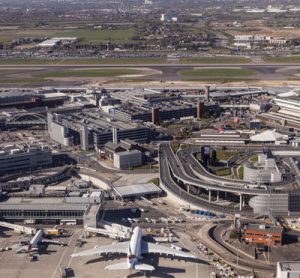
x: 148, y: 247
x: 23, y: 249
x: 49, y: 241
x: 118, y: 248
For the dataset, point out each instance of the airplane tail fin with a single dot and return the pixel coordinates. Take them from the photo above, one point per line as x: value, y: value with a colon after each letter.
x: 118, y: 266
x: 145, y: 267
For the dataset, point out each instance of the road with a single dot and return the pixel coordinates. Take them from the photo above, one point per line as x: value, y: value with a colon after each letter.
x: 170, y: 186
x: 195, y: 169
x: 178, y: 170
x: 211, y: 237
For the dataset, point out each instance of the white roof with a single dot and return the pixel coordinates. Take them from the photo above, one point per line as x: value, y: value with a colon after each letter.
x: 54, y: 95
x: 289, y: 266
x: 267, y: 136
x: 288, y: 94
x: 137, y: 189
x: 54, y: 41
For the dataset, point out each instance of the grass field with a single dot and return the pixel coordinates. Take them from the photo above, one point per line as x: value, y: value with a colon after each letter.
x: 223, y: 172
x: 9, y: 35
x: 241, y: 172
x: 89, y: 73
x: 85, y: 35
x: 225, y: 155
x: 96, y: 36
x: 218, y: 74
x: 216, y: 60
x: 283, y: 59
x: 82, y: 61
x: 253, y: 159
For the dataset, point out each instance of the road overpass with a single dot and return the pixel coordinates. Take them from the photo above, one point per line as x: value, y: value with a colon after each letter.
x: 181, y: 175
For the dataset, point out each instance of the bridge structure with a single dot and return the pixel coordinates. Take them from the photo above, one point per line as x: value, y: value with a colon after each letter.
x: 61, y: 174
x: 26, y: 119
x: 181, y: 172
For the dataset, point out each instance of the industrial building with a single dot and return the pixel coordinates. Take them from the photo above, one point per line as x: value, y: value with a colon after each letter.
x: 24, y: 157
x: 262, y: 234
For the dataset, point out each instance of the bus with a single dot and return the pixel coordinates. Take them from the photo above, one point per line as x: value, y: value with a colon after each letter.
x: 68, y: 222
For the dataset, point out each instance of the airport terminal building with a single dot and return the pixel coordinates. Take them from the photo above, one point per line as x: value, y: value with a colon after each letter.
x: 24, y: 157
x: 92, y: 129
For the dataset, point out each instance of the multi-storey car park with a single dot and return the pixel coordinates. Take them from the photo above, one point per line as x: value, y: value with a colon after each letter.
x: 182, y: 175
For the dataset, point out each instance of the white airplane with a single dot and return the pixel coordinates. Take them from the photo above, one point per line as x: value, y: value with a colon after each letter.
x: 38, y: 240
x: 134, y: 249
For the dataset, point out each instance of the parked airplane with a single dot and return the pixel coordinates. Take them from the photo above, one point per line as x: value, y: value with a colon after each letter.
x: 134, y: 249
x: 35, y: 243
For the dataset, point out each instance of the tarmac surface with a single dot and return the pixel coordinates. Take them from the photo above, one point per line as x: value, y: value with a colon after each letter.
x: 14, y: 265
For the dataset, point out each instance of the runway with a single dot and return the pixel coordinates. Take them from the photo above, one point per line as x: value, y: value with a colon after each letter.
x: 164, y: 73
x: 166, y: 65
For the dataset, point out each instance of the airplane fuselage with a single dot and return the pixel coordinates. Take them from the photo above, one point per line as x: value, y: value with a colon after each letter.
x: 35, y: 240
x: 135, y: 247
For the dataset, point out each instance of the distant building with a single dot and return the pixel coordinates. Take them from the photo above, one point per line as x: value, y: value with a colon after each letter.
x: 289, y: 105
x: 168, y: 18
x: 57, y: 41
x: 262, y: 234
x: 288, y: 269
x: 23, y: 157
x: 30, y: 98
x: 249, y: 41
x: 254, y: 124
